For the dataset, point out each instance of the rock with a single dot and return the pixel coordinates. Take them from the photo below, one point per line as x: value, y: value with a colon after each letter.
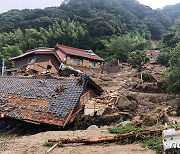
x: 125, y: 104
x: 106, y: 78
x: 109, y: 110
x: 173, y: 113
x: 124, y: 123
x: 93, y: 127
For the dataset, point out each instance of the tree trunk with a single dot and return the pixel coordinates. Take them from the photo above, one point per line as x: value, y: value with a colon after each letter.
x: 138, y: 135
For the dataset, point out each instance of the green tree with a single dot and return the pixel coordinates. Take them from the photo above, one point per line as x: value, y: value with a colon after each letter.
x: 118, y: 48
x: 137, y: 59
x: 164, y: 57
x: 34, y: 39
x: 8, y: 52
x: 172, y: 77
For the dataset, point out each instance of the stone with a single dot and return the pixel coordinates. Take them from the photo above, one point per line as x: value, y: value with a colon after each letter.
x: 125, y: 104
x: 93, y: 127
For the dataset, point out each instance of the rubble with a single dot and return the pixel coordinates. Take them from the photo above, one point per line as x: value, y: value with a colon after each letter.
x: 156, y: 117
x: 44, y: 99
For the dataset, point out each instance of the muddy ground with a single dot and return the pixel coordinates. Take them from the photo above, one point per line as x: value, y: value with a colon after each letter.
x: 127, y: 82
x: 34, y: 144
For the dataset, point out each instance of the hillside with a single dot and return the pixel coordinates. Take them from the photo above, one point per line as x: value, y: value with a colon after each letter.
x: 172, y: 11
x: 101, y: 18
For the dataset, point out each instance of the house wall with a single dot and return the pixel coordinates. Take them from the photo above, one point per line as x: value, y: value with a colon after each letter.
x: 46, y: 58
x: 76, y: 61
x: 88, y: 94
x: 24, y: 61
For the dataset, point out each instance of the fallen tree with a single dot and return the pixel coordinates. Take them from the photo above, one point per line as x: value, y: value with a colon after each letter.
x: 129, y: 137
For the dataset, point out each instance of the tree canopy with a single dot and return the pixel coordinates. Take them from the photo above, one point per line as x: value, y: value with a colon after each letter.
x: 100, y: 17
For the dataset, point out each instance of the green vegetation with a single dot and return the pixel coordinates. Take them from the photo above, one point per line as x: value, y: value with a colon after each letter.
x: 172, y: 77
x: 70, y: 33
x: 101, y: 18
x: 172, y: 11
x: 118, y: 48
x: 137, y: 59
x: 163, y: 57
x: 123, y: 129
x: 114, y: 29
x: 170, y: 56
x: 155, y: 144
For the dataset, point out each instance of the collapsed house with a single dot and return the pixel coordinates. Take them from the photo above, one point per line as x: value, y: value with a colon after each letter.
x: 45, y: 99
x: 35, y: 61
x: 42, y: 60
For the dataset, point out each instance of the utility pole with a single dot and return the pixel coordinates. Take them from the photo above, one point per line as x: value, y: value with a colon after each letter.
x: 3, y: 66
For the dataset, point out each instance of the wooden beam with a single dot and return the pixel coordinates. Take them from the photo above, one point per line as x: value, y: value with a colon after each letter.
x: 137, y: 135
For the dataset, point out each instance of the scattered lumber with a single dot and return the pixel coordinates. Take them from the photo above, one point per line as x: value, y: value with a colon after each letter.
x: 137, y: 135
x: 49, y: 150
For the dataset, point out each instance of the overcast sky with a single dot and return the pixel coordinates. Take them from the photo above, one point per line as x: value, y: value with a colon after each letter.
x: 158, y: 3
x: 32, y: 4
x: 6, y: 5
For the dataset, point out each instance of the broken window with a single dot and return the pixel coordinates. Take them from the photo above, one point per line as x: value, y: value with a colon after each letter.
x: 93, y: 64
x: 76, y: 61
x: 31, y: 61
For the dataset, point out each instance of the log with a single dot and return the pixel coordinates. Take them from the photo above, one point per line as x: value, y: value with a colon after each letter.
x: 137, y: 135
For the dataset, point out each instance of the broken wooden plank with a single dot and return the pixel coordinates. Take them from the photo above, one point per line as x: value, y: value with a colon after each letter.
x: 49, y: 150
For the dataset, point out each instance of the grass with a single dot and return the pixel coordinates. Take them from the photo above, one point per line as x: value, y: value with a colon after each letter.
x: 123, y: 129
x: 155, y: 144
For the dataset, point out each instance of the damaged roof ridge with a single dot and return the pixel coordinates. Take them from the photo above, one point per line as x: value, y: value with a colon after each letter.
x: 37, y: 51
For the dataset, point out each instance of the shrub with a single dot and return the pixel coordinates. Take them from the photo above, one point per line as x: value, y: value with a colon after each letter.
x: 123, y: 129
x: 163, y: 59
x: 155, y: 144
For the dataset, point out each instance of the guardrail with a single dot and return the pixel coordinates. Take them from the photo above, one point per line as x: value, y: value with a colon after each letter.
x: 171, y: 139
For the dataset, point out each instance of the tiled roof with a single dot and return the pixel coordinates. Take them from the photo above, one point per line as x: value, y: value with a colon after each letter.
x: 36, y: 51
x: 78, y: 52
x: 36, y: 99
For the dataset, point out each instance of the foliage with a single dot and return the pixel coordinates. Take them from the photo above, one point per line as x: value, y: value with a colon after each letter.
x: 164, y: 57
x: 123, y: 129
x: 114, y: 28
x: 101, y: 18
x: 172, y: 77
x: 172, y: 11
x: 69, y: 33
x: 137, y: 59
x: 10, y: 51
x: 155, y: 144
x: 118, y: 48
x: 171, y: 50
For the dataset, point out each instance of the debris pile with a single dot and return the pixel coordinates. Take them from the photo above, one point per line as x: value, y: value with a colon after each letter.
x: 44, y: 99
x: 109, y: 103
x: 156, y: 117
